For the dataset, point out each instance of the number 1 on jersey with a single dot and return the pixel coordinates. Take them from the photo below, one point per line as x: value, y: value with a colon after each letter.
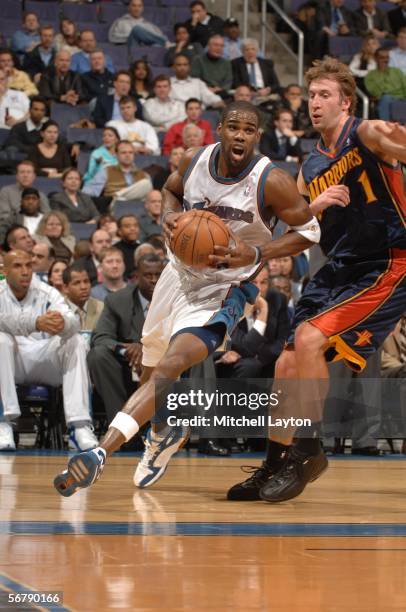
x: 366, y: 185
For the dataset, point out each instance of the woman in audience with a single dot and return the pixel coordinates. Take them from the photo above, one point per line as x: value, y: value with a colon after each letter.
x: 182, y: 44
x: 364, y: 61
x: 104, y: 155
x: 68, y: 37
x: 77, y: 206
x: 50, y: 158
x: 55, y: 274
x: 141, y: 80
x: 109, y: 223
x: 54, y: 230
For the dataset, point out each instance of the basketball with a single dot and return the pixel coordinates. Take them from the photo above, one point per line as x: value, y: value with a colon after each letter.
x: 196, y: 235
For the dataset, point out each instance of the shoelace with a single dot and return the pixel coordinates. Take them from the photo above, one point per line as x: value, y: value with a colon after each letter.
x: 257, y: 472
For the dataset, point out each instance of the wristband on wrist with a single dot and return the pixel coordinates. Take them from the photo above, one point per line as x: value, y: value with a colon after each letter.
x: 258, y: 255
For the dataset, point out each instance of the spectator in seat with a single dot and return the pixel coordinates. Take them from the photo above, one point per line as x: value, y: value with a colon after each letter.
x: 60, y: 84
x: 184, y: 87
x: 68, y: 37
x: 99, y: 241
x: 292, y: 99
x: 132, y: 28
x: 55, y: 274
x: 281, y: 142
x: 109, y: 223
x: 141, y: 80
x: 14, y: 105
x: 182, y: 45
x: 49, y: 157
x: 108, y: 105
x: 192, y: 136
x: 364, y: 61
x: 42, y: 56
x: 397, y: 56
x: 129, y: 232
x: 76, y: 289
x: 371, y: 20
x: 162, y: 111
x: 39, y: 343
x: 54, y: 230
x: 98, y: 80
x: 23, y: 41
x: 123, y: 181
x: 258, y: 339
x: 213, y: 69
x: 76, y: 205
x: 25, y: 134
x: 385, y: 84
x: 112, y: 267
x: 150, y: 221
x: 140, y: 133
x: 251, y: 70
x: 332, y: 19
x: 17, y: 79
x: 397, y: 17
x: 116, y: 343
x: 42, y: 258
x: 103, y: 156
x: 18, y: 237
x: 284, y: 286
x: 29, y: 214
x: 10, y: 195
x: 232, y: 39
x: 81, y: 61
x: 243, y: 93
x: 174, y: 136
x: 202, y: 25
x: 159, y: 174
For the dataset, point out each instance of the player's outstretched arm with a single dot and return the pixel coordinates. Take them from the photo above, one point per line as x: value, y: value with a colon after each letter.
x: 172, y: 194
x: 385, y: 139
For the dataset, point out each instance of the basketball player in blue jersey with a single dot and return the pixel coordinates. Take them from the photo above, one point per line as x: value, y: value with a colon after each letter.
x: 193, y: 311
x: 356, y: 299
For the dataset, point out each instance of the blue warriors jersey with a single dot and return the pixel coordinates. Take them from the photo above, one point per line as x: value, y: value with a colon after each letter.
x: 374, y: 221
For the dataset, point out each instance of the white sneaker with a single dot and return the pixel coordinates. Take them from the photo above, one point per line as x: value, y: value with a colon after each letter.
x: 6, y: 437
x: 158, y: 451
x: 82, y: 438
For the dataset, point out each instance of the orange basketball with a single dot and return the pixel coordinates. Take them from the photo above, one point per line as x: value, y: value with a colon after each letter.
x: 195, y: 236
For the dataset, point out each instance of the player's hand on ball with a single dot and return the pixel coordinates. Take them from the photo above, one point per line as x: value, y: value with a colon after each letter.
x: 335, y: 195
x: 169, y: 224
x: 239, y: 256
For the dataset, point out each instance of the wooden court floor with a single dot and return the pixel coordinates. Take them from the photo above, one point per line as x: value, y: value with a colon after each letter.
x: 182, y: 546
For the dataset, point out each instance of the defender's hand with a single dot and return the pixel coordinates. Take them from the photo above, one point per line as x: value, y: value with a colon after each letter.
x: 241, y: 255
x: 335, y: 195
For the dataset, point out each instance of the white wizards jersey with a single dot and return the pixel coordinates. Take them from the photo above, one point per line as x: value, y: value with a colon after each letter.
x: 238, y: 201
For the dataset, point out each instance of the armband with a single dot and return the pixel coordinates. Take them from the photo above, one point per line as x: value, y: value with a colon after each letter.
x: 310, y: 230
x: 125, y: 425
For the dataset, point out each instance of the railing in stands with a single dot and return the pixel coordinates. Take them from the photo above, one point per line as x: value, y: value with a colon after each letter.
x: 365, y: 103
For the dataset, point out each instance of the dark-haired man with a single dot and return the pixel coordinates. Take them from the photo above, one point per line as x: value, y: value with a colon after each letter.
x: 76, y: 288
x: 108, y: 105
x: 24, y: 135
x: 193, y: 311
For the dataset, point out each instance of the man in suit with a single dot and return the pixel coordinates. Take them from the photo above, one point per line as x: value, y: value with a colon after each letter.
x: 115, y: 357
x: 251, y: 70
x: 257, y: 340
x: 332, y: 19
x: 397, y: 17
x: 99, y: 241
x: 76, y: 288
x: 369, y: 19
x: 281, y: 142
x: 42, y: 56
x: 108, y: 105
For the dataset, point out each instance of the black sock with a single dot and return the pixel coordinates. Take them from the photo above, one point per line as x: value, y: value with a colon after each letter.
x: 310, y: 446
x: 275, y: 455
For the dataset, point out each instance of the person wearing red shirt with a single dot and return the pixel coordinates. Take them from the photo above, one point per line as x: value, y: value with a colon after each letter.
x: 173, y: 137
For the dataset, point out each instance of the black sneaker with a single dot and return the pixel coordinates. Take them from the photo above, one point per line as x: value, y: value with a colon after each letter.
x: 248, y: 490
x: 292, y: 478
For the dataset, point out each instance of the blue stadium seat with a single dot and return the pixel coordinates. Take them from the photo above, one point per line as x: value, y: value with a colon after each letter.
x: 130, y: 207
x: 46, y: 11
x: 291, y: 168
x: 90, y: 136
x: 100, y: 30
x: 3, y: 136
x: 154, y: 55
x: 111, y: 11
x: 47, y: 185
x: 213, y: 117
x: 83, y: 162
x: 65, y: 115
x: 9, y: 26
x: 344, y: 46
x: 181, y: 14
x: 156, y: 70
x: 12, y: 9
x: 118, y: 53
x: 142, y: 161
x: 82, y: 231
x: 81, y: 12
x: 398, y: 111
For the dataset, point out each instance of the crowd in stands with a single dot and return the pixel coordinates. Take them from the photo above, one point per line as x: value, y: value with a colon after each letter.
x: 92, y: 122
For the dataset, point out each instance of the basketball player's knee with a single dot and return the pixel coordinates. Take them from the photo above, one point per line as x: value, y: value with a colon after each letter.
x: 172, y: 366
x: 285, y: 366
x: 309, y: 340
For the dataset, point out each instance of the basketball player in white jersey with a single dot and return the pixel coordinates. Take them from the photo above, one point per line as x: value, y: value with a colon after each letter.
x: 193, y: 311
